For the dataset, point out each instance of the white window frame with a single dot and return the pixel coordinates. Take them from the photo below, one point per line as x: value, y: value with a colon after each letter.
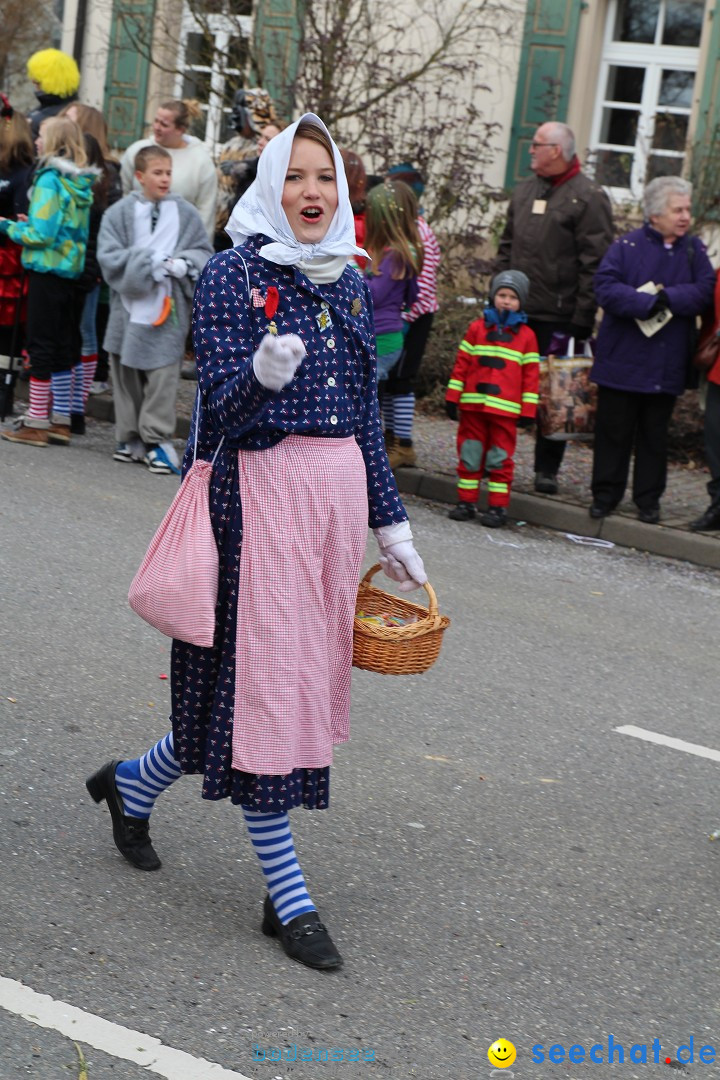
x: 654, y: 59
x: 222, y: 28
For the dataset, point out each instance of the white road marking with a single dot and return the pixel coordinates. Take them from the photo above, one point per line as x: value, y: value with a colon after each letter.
x: 667, y: 740
x: 112, y: 1039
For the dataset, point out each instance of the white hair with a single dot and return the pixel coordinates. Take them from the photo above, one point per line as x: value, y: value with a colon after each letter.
x: 658, y: 192
x: 564, y: 136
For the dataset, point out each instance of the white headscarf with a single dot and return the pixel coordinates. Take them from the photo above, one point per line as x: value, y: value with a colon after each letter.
x: 260, y: 211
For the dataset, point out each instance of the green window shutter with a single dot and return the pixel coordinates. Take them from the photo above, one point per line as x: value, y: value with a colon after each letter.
x: 277, y: 36
x: 127, y: 71
x: 705, y: 163
x: 545, y: 72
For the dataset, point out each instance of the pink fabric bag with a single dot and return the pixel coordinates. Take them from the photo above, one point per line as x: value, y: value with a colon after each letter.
x: 175, y: 589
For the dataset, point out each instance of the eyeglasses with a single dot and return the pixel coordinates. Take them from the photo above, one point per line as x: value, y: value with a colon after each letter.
x: 537, y: 145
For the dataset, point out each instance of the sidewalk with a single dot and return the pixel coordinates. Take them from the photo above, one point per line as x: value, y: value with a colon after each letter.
x: 434, y: 478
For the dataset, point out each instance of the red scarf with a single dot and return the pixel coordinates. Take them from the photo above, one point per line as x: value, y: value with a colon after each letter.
x: 572, y: 170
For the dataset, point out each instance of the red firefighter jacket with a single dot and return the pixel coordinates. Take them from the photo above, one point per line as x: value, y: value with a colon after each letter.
x: 496, y: 370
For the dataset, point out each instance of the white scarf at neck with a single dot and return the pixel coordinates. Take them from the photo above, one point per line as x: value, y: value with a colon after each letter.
x: 260, y: 211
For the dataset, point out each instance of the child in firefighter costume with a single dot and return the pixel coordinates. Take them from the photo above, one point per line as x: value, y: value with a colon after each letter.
x: 493, y: 388
x: 284, y: 344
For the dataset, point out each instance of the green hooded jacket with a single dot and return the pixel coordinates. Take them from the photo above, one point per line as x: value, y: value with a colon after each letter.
x: 54, y: 238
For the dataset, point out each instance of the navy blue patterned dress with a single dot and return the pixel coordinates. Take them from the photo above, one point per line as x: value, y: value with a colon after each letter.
x: 334, y: 395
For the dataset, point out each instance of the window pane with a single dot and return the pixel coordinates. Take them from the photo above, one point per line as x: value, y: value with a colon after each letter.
x: 613, y: 168
x: 625, y: 84
x: 237, y: 54
x: 676, y: 89
x: 198, y: 51
x: 683, y: 22
x: 636, y: 20
x: 196, y: 84
x: 663, y: 166
x: 239, y: 7
x: 670, y: 132
x: 226, y: 128
x: 619, y: 126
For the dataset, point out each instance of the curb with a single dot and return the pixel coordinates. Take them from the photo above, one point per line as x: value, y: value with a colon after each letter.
x: 548, y: 512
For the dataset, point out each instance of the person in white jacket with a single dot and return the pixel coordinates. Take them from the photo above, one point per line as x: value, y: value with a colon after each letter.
x: 193, y: 170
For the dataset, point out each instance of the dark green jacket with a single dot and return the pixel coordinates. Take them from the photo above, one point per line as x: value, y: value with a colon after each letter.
x: 560, y: 249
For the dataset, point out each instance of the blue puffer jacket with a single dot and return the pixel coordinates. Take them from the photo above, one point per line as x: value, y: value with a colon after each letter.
x: 625, y: 359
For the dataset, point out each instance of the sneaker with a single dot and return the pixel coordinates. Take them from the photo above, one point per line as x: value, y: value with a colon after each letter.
x: 59, y: 434
x: 123, y: 452
x: 400, y: 456
x: 546, y: 484
x: 462, y: 512
x: 162, y: 459
x: 494, y: 517
x: 29, y: 436
x: 99, y: 387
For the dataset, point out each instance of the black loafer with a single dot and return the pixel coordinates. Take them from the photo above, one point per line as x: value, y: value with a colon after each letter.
x: 546, y: 484
x: 709, y: 521
x: 650, y: 515
x: 131, y: 835
x: 304, y: 938
x: 597, y: 511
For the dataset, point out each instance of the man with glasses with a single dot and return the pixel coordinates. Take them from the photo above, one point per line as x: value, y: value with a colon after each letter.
x: 559, y: 226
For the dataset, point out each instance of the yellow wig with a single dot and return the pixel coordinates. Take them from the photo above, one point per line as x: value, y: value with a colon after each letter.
x: 55, y: 71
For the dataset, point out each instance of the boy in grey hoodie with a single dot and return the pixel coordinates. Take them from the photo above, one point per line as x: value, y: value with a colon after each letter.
x: 151, y: 248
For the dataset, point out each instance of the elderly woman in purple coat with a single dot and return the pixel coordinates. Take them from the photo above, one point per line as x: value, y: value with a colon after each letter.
x: 651, y: 284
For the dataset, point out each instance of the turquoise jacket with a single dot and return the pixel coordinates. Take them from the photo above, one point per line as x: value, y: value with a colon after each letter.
x: 54, y: 238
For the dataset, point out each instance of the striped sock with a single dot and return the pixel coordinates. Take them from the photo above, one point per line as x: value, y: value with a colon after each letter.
x: 77, y: 393
x: 271, y: 837
x: 142, y: 780
x: 60, y: 382
x: 39, y: 408
x: 403, y: 413
x: 89, y: 366
x: 386, y: 411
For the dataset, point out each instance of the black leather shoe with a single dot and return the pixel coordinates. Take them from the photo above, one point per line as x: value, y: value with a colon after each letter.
x: 131, y: 835
x: 494, y: 517
x: 708, y: 521
x: 546, y: 484
x: 304, y: 938
x: 462, y: 512
x: 597, y: 511
x: 650, y: 515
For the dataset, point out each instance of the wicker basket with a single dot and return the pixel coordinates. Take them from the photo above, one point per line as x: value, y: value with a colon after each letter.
x: 396, y: 650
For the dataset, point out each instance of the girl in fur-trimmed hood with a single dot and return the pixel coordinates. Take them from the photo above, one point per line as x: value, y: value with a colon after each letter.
x: 54, y: 242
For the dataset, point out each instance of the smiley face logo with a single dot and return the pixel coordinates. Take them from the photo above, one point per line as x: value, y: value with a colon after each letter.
x: 501, y: 1054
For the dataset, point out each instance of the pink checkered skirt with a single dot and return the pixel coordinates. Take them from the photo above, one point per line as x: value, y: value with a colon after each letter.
x: 305, y: 514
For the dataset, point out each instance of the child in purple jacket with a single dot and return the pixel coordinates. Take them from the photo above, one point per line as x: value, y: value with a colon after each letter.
x: 393, y: 242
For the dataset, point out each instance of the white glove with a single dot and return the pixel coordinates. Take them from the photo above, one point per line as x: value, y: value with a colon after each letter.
x: 176, y: 268
x: 398, y: 557
x: 277, y: 360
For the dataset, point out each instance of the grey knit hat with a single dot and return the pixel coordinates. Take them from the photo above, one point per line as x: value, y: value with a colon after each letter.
x: 511, y: 279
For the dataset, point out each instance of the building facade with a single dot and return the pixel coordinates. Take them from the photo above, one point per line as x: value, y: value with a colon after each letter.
x: 638, y: 80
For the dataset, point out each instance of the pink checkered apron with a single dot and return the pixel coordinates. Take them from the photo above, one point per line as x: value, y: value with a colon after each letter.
x: 304, y: 507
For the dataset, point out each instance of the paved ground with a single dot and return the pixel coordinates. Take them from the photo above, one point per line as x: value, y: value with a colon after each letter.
x: 685, y: 498
x: 498, y: 860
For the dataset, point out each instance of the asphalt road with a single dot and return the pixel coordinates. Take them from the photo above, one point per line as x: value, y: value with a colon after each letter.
x: 497, y: 861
